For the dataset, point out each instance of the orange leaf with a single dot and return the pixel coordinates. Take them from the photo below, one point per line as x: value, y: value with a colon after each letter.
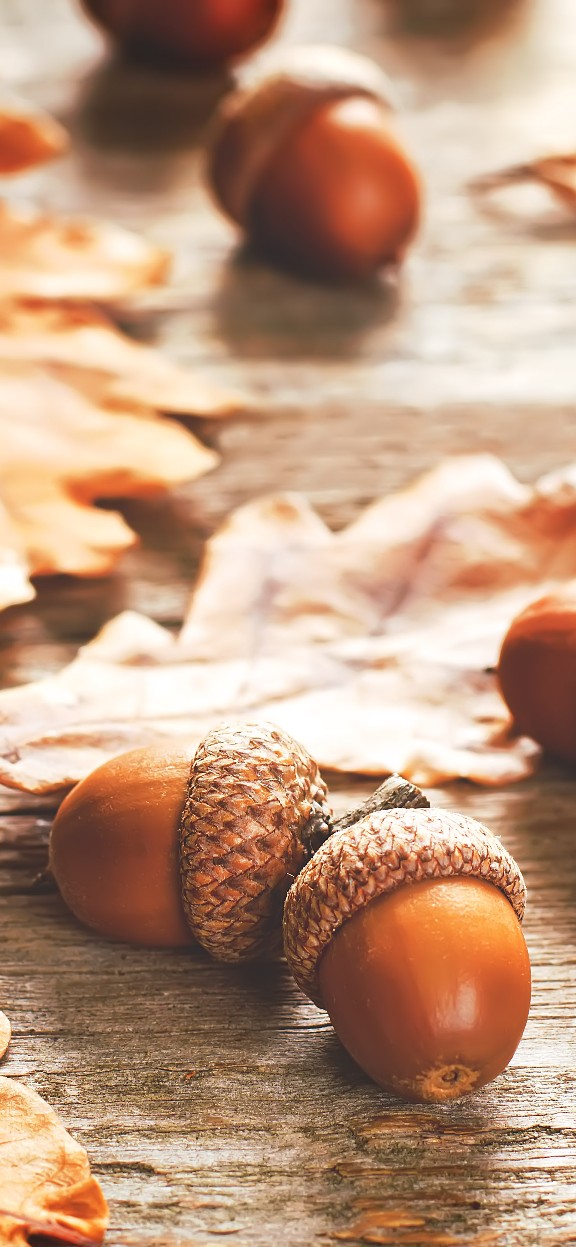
x: 27, y: 136
x: 61, y: 450
x: 48, y: 257
x: 46, y: 1187
x: 77, y: 423
x: 87, y: 350
x: 374, y: 645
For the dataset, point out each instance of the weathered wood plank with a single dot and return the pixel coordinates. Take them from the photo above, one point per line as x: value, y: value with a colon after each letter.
x: 214, y: 1099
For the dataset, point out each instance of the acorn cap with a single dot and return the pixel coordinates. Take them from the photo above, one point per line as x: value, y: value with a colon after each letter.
x: 383, y: 851
x: 255, y: 811
x: 5, y: 1033
x: 255, y: 120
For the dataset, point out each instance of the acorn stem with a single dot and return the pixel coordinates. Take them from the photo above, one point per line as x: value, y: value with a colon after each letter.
x: 394, y: 793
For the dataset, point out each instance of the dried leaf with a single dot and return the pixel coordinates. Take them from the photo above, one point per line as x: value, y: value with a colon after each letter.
x: 85, y: 429
x: 28, y: 136
x: 556, y: 173
x: 48, y: 257
x: 95, y: 356
x: 46, y: 1187
x: 374, y: 645
x: 61, y: 449
x: 5, y: 1033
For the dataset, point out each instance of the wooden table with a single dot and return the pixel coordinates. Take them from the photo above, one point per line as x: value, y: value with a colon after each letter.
x: 213, y: 1101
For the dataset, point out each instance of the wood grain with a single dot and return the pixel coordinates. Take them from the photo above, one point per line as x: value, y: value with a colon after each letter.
x: 213, y: 1101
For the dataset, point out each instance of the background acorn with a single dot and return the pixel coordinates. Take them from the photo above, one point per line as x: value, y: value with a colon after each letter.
x: 306, y: 160
x: 537, y: 672
x: 191, y: 34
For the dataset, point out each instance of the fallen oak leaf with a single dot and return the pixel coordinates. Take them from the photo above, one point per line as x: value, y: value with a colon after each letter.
x: 375, y: 645
x: 48, y: 257
x: 28, y: 136
x: 60, y: 451
x: 556, y: 174
x: 104, y: 363
x: 46, y: 1186
x: 5, y: 1033
x: 49, y: 1230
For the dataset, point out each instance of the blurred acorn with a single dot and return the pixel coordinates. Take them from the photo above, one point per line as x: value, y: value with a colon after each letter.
x: 537, y: 672
x: 193, y: 34
x: 448, y: 16
x: 308, y: 162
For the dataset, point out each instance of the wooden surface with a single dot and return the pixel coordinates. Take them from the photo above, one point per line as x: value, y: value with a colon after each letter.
x: 213, y: 1101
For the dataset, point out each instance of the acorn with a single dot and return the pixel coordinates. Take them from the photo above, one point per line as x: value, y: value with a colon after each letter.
x: 307, y: 162
x: 405, y: 927
x: 158, y: 848
x: 191, y: 34
x: 537, y: 672
x: 5, y: 1033
x: 449, y: 16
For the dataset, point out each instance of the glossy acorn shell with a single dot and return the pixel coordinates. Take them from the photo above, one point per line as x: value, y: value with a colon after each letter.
x: 537, y: 672
x: 195, y: 34
x: 405, y: 926
x: 114, y: 847
x: 168, y: 846
x: 429, y: 988
x: 307, y: 162
x: 339, y: 199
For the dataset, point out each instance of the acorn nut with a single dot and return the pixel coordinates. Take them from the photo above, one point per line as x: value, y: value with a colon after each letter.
x: 405, y: 927
x: 192, y: 34
x: 306, y: 161
x: 5, y: 1033
x: 537, y: 672
x: 159, y: 849
x: 447, y: 16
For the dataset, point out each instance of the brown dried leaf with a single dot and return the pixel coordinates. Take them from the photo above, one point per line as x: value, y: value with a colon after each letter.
x: 556, y: 173
x: 374, y: 646
x: 77, y: 423
x: 88, y: 350
x: 28, y: 136
x: 5, y: 1033
x: 61, y: 449
x: 46, y: 1187
x: 47, y: 257
x: 71, y: 434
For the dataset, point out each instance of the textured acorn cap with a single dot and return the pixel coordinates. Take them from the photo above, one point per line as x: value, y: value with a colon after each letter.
x: 381, y: 852
x: 255, y: 811
x: 5, y: 1033
x: 256, y: 119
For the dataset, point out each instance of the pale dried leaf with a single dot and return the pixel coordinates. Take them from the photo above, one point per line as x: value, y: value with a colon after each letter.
x: 95, y: 356
x: 5, y: 1033
x: 48, y: 257
x: 375, y: 646
x: 60, y: 451
x: 28, y: 136
x: 46, y: 1187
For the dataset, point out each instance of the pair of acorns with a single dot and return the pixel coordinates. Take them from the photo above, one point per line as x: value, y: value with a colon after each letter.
x: 402, y: 921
